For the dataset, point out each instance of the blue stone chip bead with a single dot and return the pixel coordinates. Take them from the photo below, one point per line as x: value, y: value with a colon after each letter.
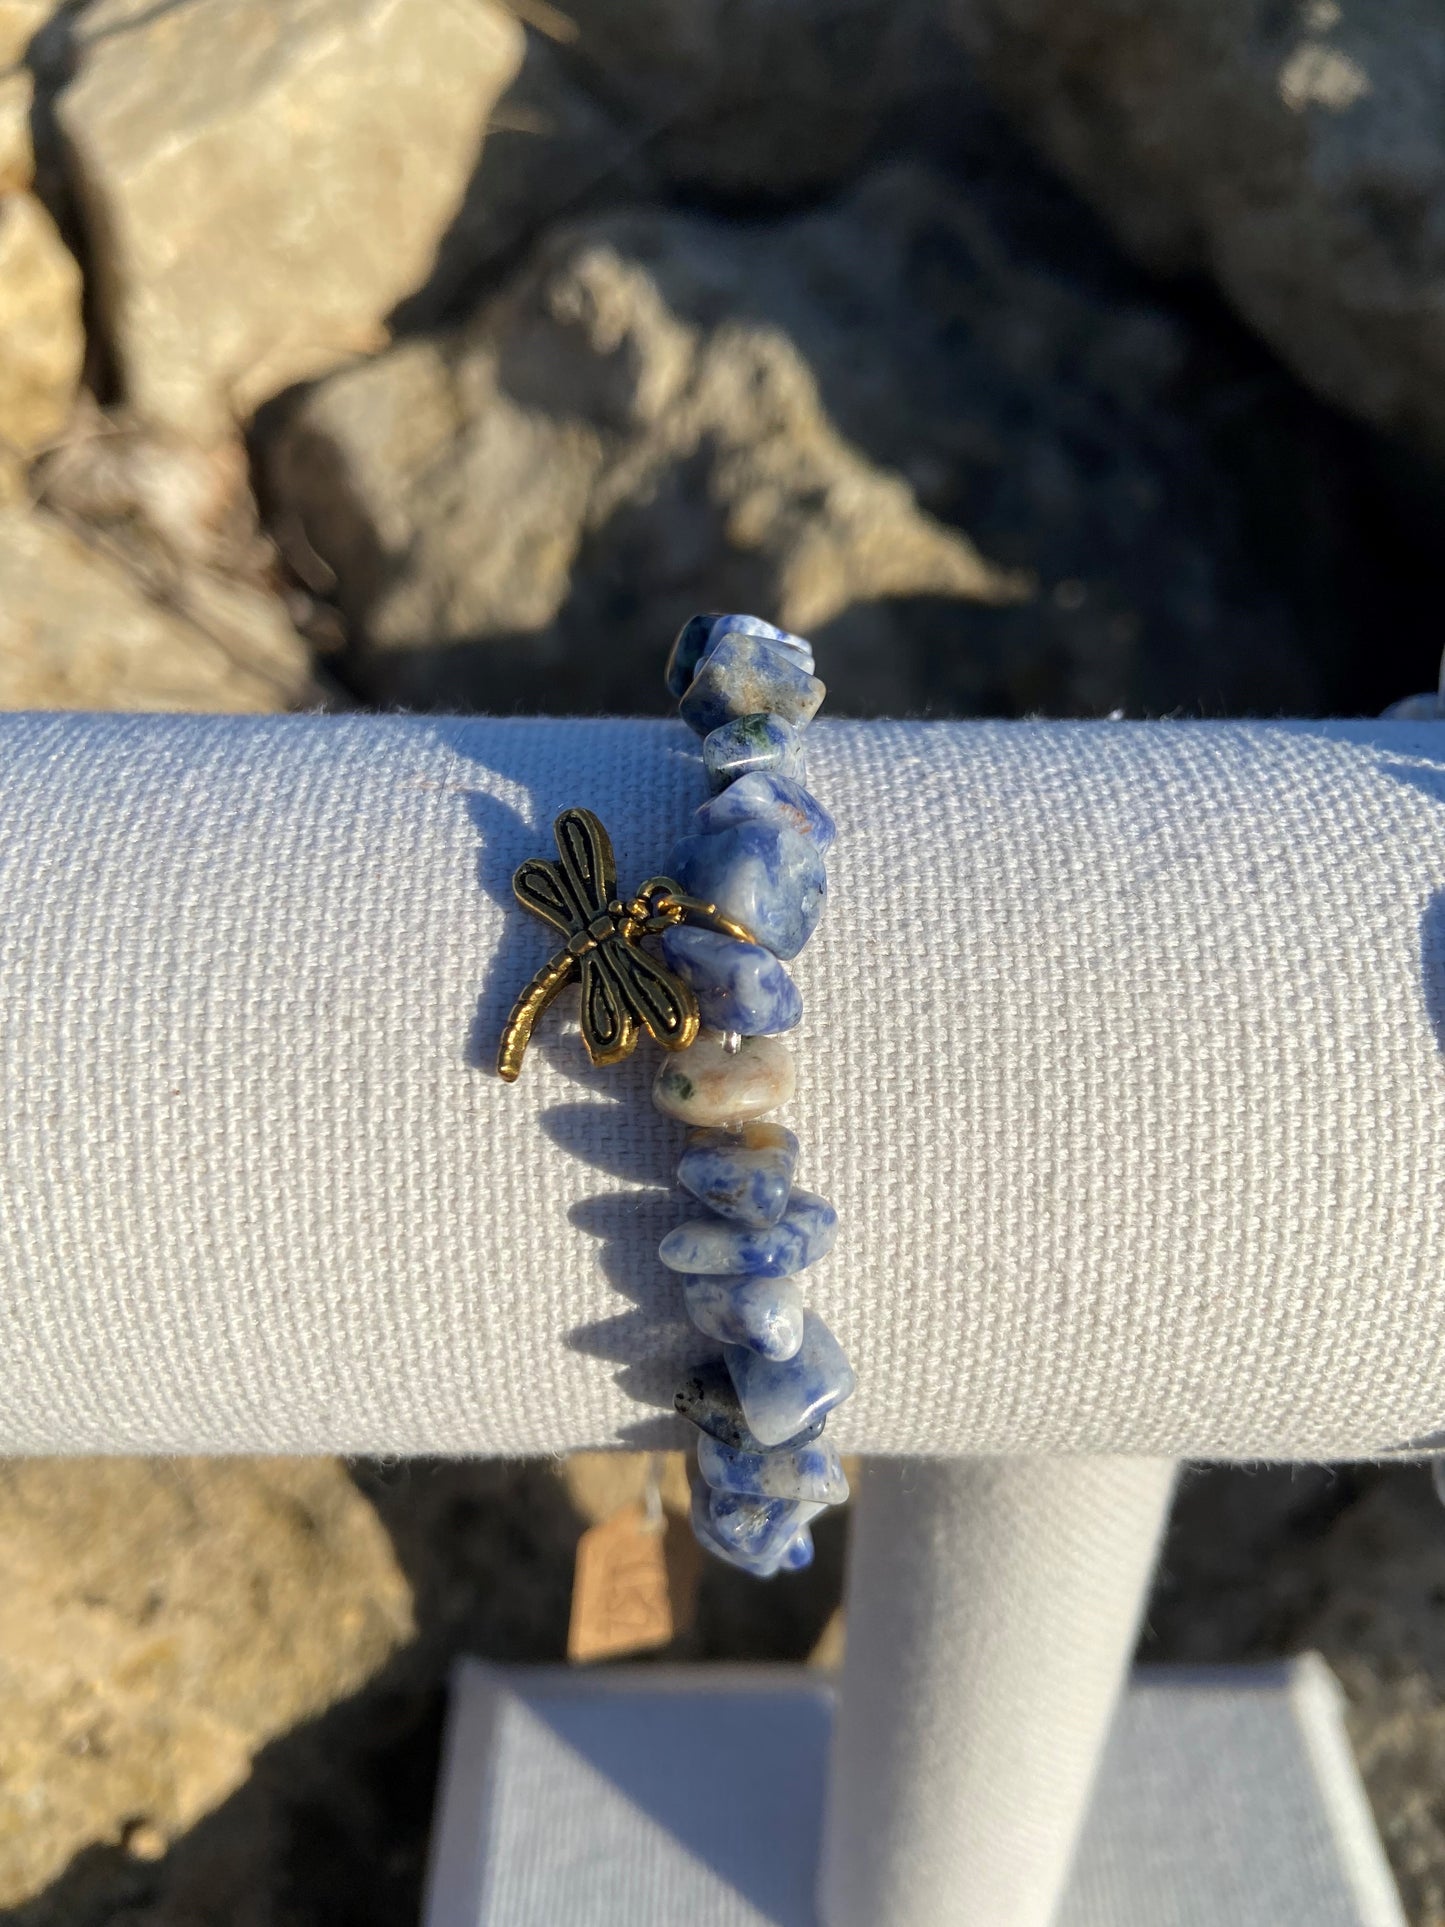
x: 791, y: 1555
x: 812, y: 1471
x: 796, y: 646
x: 766, y: 796
x: 708, y: 1399
x: 797, y: 1554
x: 751, y: 743
x: 687, y: 652
x: 778, y: 1401
x: 738, y: 986
x: 771, y: 881
x: 802, y: 1236
x: 743, y: 1172
x: 766, y: 1314
x: 757, y: 1528
x: 708, y: 1537
x: 742, y: 675
x: 699, y: 633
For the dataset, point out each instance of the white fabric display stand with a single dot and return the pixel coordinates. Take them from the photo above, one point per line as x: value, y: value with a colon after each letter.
x: 1225, y: 1798
x: 1122, y: 1062
x: 975, y: 1591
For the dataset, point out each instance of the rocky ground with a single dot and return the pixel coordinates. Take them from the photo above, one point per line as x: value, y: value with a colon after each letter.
x: 363, y: 352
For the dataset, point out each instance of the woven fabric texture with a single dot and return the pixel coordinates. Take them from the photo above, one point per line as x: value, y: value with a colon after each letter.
x: 992, y: 1609
x: 1122, y: 1061
x: 1226, y: 1799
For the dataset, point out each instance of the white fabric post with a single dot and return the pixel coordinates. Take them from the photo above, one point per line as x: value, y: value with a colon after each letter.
x: 992, y: 1609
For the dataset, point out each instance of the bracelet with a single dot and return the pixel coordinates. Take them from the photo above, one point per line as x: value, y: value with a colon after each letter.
x: 745, y: 894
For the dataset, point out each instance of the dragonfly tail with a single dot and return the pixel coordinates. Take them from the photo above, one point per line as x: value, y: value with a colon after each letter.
x: 517, y: 1033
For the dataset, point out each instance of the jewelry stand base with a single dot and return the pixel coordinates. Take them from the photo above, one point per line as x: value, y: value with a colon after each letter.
x: 642, y: 1795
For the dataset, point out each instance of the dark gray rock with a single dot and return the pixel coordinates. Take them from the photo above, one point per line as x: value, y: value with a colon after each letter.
x: 1291, y: 152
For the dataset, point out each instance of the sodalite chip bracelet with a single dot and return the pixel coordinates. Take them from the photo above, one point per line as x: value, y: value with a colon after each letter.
x: 745, y: 893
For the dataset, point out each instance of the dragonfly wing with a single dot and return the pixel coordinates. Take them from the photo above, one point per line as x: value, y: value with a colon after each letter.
x: 609, y: 1026
x: 539, y: 887
x: 660, y: 1002
x: 589, y: 868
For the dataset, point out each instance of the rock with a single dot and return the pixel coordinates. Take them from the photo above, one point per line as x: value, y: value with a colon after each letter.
x: 42, y: 340
x: 1380, y: 1578
x: 14, y: 479
x: 78, y: 631
x: 160, y: 1622
x: 17, y: 155
x: 593, y: 443
x: 748, y: 676
x: 156, y: 496
x: 758, y: 745
x: 288, y: 1628
x: 264, y: 180
x: 552, y: 150
x: 978, y: 462
x: 601, y: 1483
x: 1321, y: 213
x: 746, y: 97
x: 813, y: 1472
x: 20, y: 21
x: 181, y: 523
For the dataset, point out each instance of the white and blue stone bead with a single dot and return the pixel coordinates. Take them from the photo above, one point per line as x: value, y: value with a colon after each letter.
x: 746, y: 676
x: 751, y: 743
x: 778, y: 1553
x: 758, y: 1529
x: 699, y: 633
x: 745, y: 1174
x: 771, y: 881
x: 797, y: 1555
x: 781, y: 1400
x: 765, y: 1314
x: 770, y: 797
x: 739, y: 986
x: 687, y: 652
x: 708, y: 1084
x: 796, y: 646
x: 811, y: 1471
x: 804, y: 1234
x: 708, y: 1399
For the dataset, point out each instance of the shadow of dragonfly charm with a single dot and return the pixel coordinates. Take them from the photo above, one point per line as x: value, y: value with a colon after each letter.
x: 625, y: 989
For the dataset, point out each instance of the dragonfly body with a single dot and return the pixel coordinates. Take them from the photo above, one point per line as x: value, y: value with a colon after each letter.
x: 625, y: 990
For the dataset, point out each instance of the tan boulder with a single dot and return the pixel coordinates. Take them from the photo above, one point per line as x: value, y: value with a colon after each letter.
x: 20, y: 21
x: 880, y: 422
x: 42, y: 340
x: 79, y: 631
x: 264, y: 180
x: 470, y: 490
x: 160, y: 1622
x: 17, y: 155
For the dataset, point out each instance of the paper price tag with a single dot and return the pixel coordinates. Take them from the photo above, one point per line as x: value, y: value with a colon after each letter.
x: 634, y: 1584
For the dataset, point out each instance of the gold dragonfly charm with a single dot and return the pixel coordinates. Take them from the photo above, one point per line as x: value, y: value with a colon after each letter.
x: 624, y: 988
